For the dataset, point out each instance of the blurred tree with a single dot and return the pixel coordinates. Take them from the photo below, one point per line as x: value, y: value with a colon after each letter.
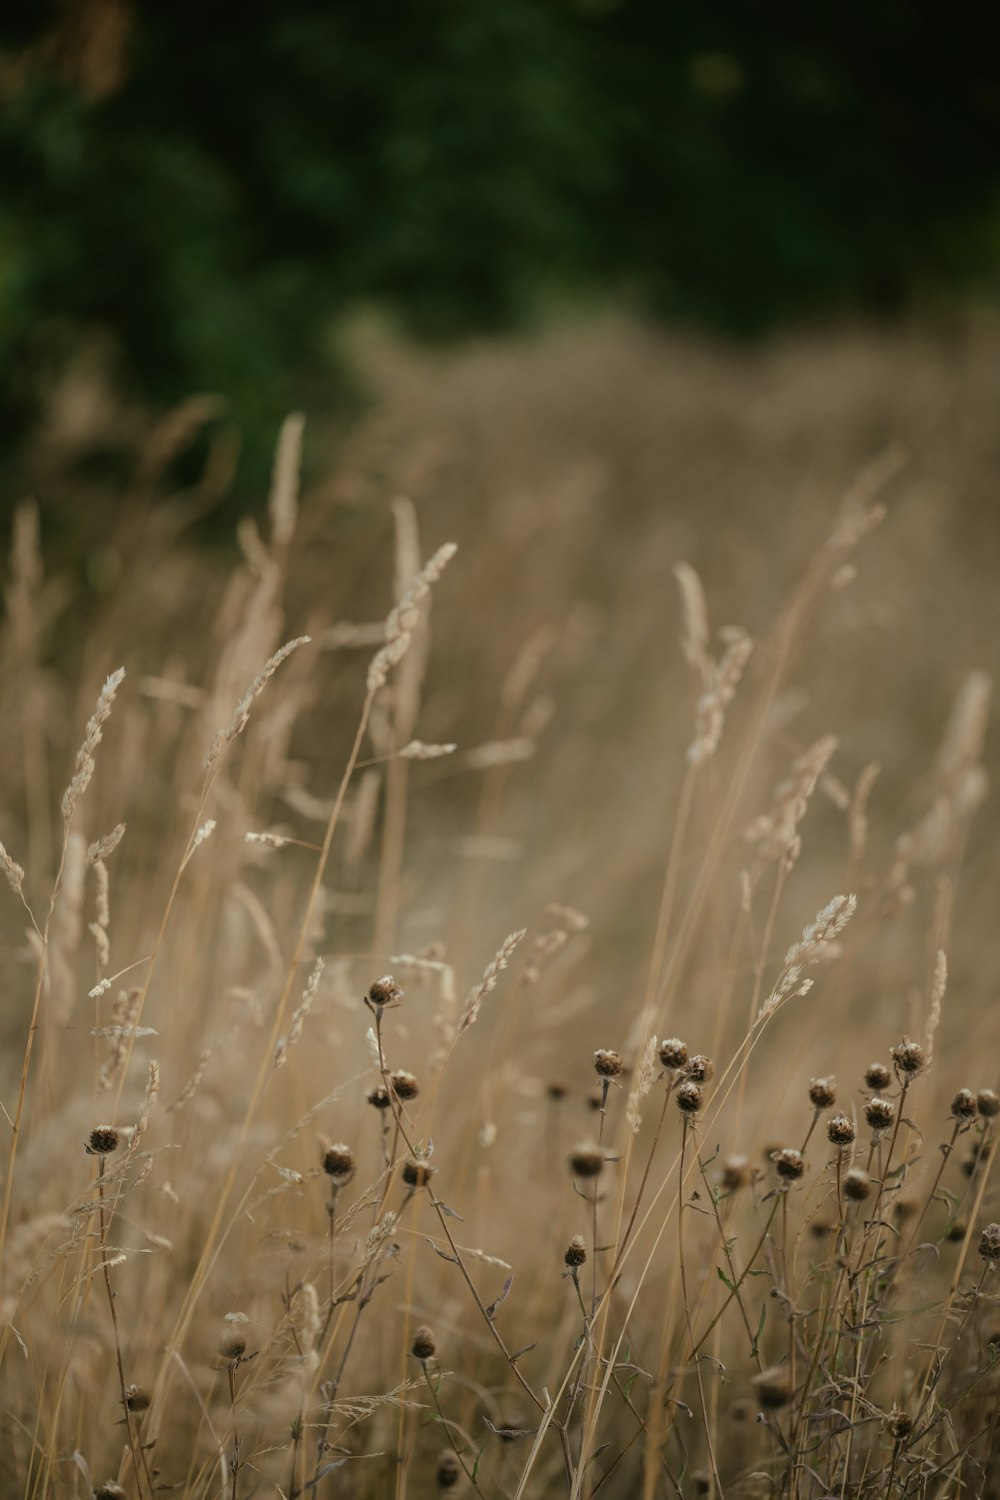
x: 208, y: 186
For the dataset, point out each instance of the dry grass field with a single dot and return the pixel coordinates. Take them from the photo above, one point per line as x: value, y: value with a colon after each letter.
x: 500, y: 992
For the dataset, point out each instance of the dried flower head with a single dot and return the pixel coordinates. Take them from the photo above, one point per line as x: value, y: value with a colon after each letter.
x: 673, y: 1053
x: 424, y: 1343
x: 700, y: 1069
x: 904, y: 1208
x: 137, y: 1398
x: 840, y: 1130
x: 989, y: 1244
x: 417, y: 1174
x: 586, y: 1160
x: 109, y: 1490
x: 857, y: 1185
x: 909, y: 1057
x: 338, y: 1163
x: 899, y: 1424
x: 607, y: 1064
x: 378, y: 1097
x: 988, y: 1103
x: 774, y: 1389
x: 963, y: 1106
x: 103, y: 1141
x: 880, y: 1113
x: 384, y: 991
x: 689, y: 1097
x: 823, y: 1092
x: 877, y: 1076
x: 790, y: 1164
x: 448, y: 1470
x: 404, y: 1085
x: 956, y: 1231
x: 736, y: 1173
x: 232, y: 1344
x: 576, y: 1251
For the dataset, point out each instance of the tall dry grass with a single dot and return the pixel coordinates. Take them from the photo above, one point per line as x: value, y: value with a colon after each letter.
x: 516, y: 1020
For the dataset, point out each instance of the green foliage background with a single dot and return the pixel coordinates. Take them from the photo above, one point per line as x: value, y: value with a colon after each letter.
x: 254, y: 171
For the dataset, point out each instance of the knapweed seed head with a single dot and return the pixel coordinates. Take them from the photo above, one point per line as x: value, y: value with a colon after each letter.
x: 909, y: 1057
x: 137, y: 1398
x: 857, y: 1185
x: 700, y: 1069
x: 673, y: 1053
x: 877, y: 1076
x: 378, y: 1097
x: 448, y: 1470
x: 607, y: 1064
x: 689, y: 1097
x: 586, y: 1160
x: 899, y: 1424
x: 880, y: 1113
x: 988, y: 1103
x: 424, y: 1343
x: 556, y: 1090
x: 989, y: 1244
x: 823, y: 1093
x: 103, y: 1141
x: 338, y: 1163
x: 404, y: 1085
x: 774, y: 1389
x: 384, y: 991
x: 109, y: 1490
x: 232, y: 1344
x: 963, y: 1106
x: 789, y: 1164
x: 576, y: 1252
x: 736, y: 1173
x: 956, y: 1231
x: 417, y: 1174
x: 840, y: 1130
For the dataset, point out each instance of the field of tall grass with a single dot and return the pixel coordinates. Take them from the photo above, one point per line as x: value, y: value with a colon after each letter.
x: 501, y: 970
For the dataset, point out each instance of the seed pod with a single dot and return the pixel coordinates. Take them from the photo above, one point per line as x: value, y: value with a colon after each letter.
x: 963, y: 1106
x: 823, y: 1092
x: 338, y: 1163
x: 103, y: 1141
x: 576, y: 1251
x: 586, y: 1160
x: 700, y: 1069
x: 736, y: 1173
x: 880, y: 1113
x: 840, y: 1130
x: 378, y: 1097
x: 909, y: 1057
x: 424, y: 1343
x: 790, y: 1164
x: 417, y: 1174
x: 689, y: 1097
x: 384, y: 991
x: 989, y: 1244
x: 877, y: 1076
x: 232, y: 1344
x: 899, y: 1424
x: 988, y: 1103
x: 404, y: 1085
x: 857, y: 1185
x: 673, y: 1053
x: 607, y: 1064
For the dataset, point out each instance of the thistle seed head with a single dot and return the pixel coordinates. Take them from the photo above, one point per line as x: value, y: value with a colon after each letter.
x: 378, y: 1097
x: 586, y: 1160
x: 840, y: 1130
x: 576, y: 1251
x: 338, y: 1163
x: 607, y: 1064
x: 823, y: 1092
x: 877, y: 1076
x: 857, y: 1185
x: 790, y: 1164
x: 417, y: 1174
x: 103, y: 1141
x: 673, y: 1053
x: 736, y: 1173
x: 963, y: 1106
x: 909, y: 1057
x: 989, y: 1244
x: 384, y: 991
x: 899, y: 1424
x: 700, y: 1069
x: 404, y: 1085
x: 448, y: 1470
x: 689, y: 1097
x: 880, y: 1113
x: 424, y: 1343
x: 774, y: 1389
x: 988, y: 1103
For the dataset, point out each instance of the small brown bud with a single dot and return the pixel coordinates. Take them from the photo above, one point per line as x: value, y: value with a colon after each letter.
x: 857, y: 1185
x: 448, y: 1470
x: 840, y: 1130
x: 899, y: 1424
x: 689, y: 1097
x: 103, y: 1140
x: 338, y: 1163
x: 989, y: 1243
x: 823, y: 1092
x: 736, y: 1173
x: 137, y: 1398
x: 404, y: 1085
x: 963, y: 1106
x: 880, y: 1113
x: 673, y: 1053
x: 378, y: 1097
x: 790, y: 1164
x: 424, y: 1343
x: 417, y: 1174
x: 774, y: 1388
x: 607, y: 1064
x: 988, y: 1103
x: 384, y: 991
x: 909, y: 1057
x: 700, y: 1069
x: 877, y: 1076
x: 586, y: 1160
x: 576, y: 1251
x: 232, y: 1343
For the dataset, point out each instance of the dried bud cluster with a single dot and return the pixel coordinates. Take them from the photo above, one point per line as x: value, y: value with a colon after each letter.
x: 840, y: 1130
x: 823, y: 1092
x: 909, y: 1057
